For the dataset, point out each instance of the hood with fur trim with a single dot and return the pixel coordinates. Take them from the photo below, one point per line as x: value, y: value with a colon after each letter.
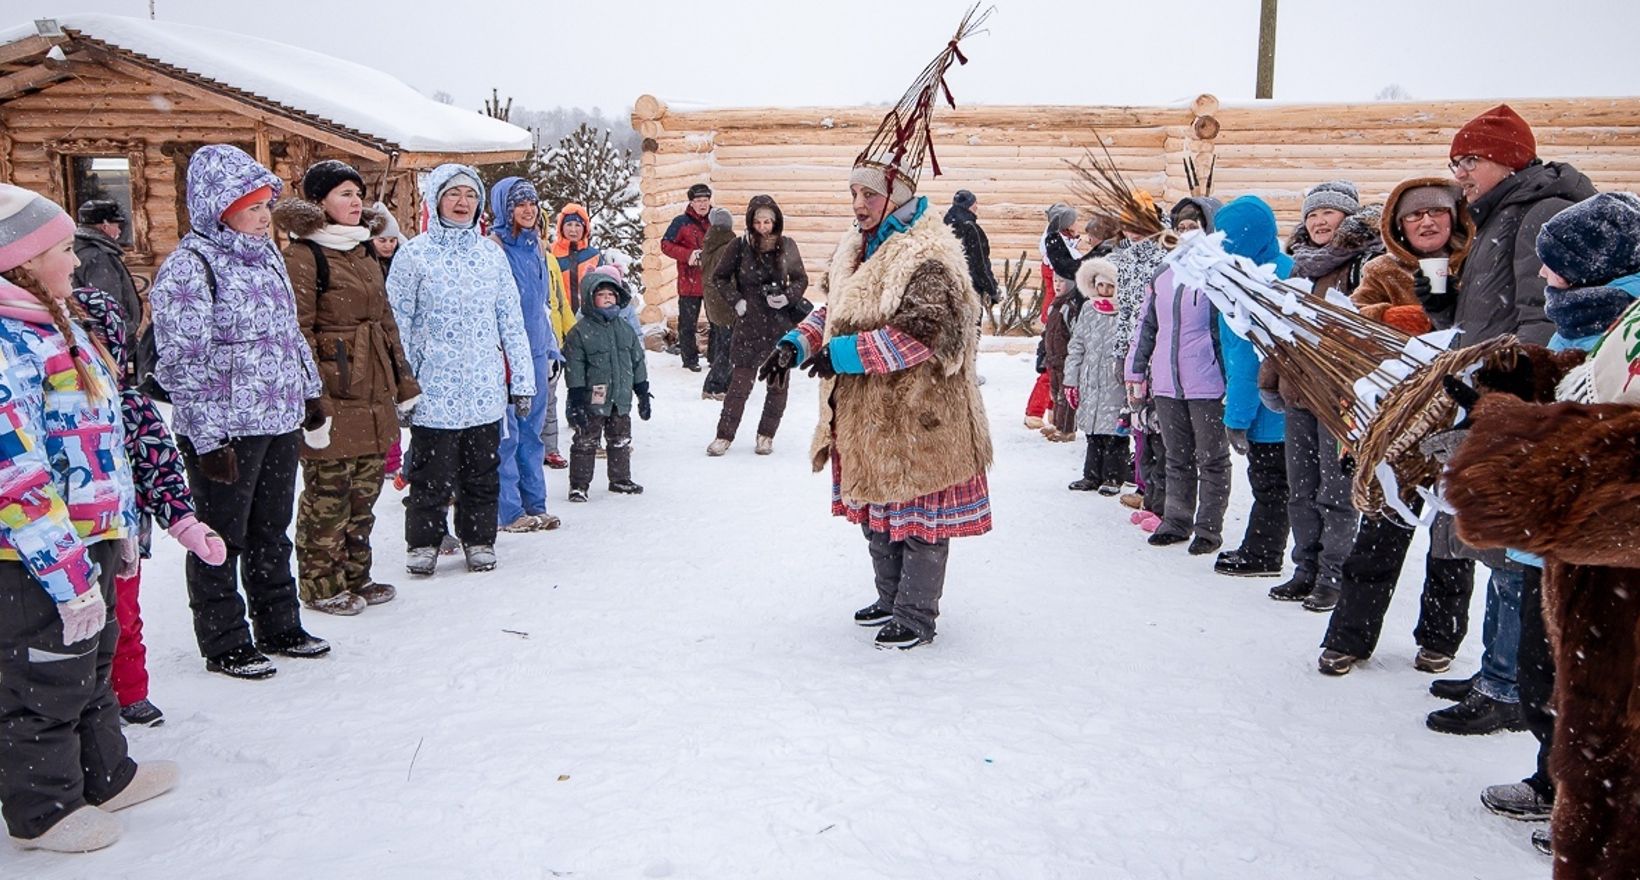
x: 1395, y: 242
x: 1091, y: 271
x: 301, y: 218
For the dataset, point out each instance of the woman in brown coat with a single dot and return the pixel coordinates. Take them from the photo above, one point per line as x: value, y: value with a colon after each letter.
x: 341, y: 305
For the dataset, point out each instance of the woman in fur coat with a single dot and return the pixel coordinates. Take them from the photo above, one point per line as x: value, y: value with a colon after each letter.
x: 902, y: 424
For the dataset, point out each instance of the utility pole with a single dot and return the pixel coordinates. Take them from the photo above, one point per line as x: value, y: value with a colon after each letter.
x: 151, y: 15
x: 1266, y: 49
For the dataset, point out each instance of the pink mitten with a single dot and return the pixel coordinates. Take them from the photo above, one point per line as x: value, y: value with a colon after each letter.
x: 200, y: 540
x: 1073, y: 396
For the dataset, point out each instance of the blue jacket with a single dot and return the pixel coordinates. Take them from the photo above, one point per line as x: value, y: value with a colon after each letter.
x: 1250, y: 231
x: 453, y: 295
x: 529, y: 271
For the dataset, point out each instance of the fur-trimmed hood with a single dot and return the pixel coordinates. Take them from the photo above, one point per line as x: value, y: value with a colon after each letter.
x: 301, y: 218
x: 1091, y: 271
x: 1395, y: 243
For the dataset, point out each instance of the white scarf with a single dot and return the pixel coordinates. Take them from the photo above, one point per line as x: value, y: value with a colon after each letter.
x: 340, y: 238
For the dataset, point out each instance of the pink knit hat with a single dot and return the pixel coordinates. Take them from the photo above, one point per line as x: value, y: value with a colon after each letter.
x: 29, y: 225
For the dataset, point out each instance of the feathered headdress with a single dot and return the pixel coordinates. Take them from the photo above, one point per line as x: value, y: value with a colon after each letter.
x: 892, y: 162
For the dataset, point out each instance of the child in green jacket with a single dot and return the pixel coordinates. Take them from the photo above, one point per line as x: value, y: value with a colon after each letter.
x: 606, y: 368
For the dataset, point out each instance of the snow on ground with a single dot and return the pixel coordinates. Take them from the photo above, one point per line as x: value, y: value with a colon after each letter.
x: 684, y: 695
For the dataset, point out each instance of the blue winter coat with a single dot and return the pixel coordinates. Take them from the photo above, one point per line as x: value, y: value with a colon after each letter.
x: 457, y: 307
x: 529, y: 271
x: 234, y: 362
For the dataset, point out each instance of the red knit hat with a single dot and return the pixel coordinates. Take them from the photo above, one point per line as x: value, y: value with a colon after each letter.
x: 1498, y: 134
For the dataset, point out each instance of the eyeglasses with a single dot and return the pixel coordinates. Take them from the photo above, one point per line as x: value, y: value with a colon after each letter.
x: 1467, y: 163
x: 1414, y: 217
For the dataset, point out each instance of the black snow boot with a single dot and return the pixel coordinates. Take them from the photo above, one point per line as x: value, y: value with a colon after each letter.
x: 295, y: 643
x: 625, y: 487
x: 243, y: 662
x: 1477, y: 715
x: 1165, y: 539
x: 1084, y: 485
x: 142, y: 713
x: 873, y: 615
x: 1322, y: 599
x: 1203, y: 546
x: 1237, y: 563
x: 1454, y: 689
x: 1294, y: 590
x: 1542, y: 842
x: 893, y: 635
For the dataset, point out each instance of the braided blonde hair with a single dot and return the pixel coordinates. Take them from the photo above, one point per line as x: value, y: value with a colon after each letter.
x: 60, y: 317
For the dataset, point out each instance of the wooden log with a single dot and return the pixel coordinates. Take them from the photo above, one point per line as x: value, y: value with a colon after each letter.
x: 1204, y: 105
x: 1205, y: 128
x: 648, y: 107
x: 947, y: 137
x: 650, y: 128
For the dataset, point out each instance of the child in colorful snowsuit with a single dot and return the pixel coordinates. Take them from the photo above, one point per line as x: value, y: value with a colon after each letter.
x: 606, y: 368
x: 67, y: 528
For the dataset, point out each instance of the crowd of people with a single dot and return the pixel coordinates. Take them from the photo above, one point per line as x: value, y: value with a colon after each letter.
x: 300, y: 333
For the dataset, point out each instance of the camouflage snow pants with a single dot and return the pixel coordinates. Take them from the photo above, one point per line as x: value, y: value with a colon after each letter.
x: 333, y: 523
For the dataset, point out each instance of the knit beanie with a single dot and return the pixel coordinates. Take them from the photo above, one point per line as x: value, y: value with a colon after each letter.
x: 322, y: 177
x: 963, y: 199
x: 698, y: 190
x: 521, y: 192
x: 29, y: 225
x: 101, y: 211
x: 1499, y: 134
x: 1060, y: 217
x: 721, y: 218
x: 1340, y: 195
x: 1423, y: 198
x: 875, y: 178
x: 1593, y: 241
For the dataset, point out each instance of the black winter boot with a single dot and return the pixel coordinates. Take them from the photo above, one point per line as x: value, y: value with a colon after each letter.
x: 1454, y: 689
x: 295, y: 643
x: 243, y: 662
x: 1323, y: 598
x: 1477, y: 715
x: 625, y: 487
x: 873, y: 615
x: 1237, y: 563
x: 1294, y: 590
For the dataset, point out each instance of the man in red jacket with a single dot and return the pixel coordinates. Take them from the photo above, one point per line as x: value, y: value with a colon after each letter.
x: 682, y: 242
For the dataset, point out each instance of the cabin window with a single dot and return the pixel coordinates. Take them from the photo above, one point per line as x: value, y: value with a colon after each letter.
x: 101, y: 177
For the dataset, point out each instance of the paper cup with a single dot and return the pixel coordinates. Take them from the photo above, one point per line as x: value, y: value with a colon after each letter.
x: 1436, y: 269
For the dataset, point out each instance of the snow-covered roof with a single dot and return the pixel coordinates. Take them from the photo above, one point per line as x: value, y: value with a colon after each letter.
x: 344, y: 93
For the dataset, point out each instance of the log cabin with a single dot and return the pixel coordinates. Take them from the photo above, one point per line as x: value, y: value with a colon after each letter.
x: 103, y: 106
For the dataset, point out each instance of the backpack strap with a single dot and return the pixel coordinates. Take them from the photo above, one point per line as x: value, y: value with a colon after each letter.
x: 210, y: 274
x: 321, y: 266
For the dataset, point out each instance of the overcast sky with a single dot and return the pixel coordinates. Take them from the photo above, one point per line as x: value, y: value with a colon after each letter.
x: 605, y: 53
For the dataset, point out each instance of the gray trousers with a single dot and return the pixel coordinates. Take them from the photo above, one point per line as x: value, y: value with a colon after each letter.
x: 60, y: 741
x: 1318, y: 502
x: 910, y: 578
x: 1198, y: 467
x: 549, y: 428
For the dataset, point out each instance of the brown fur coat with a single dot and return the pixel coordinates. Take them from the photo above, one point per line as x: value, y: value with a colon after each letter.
x: 1563, y: 480
x: 912, y: 432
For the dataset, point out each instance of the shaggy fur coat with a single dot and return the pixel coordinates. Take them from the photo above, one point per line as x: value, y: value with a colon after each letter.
x: 911, y: 432
x: 1563, y: 480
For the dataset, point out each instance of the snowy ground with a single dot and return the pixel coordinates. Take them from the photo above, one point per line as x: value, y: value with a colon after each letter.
x: 682, y: 694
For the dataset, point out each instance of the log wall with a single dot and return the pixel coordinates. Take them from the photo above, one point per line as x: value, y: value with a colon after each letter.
x: 1013, y: 158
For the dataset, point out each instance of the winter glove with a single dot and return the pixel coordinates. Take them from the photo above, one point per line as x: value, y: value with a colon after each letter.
x: 555, y: 370
x: 1238, y: 440
x: 1346, y: 465
x: 740, y: 307
x: 1411, y: 320
x: 317, y: 414
x: 407, y: 410
x: 220, y: 465
x: 200, y: 540
x: 1463, y: 396
x: 576, y: 412
x: 1272, y: 400
x: 1136, y: 392
x: 778, y: 301
x: 130, y: 557
x: 642, y: 390
x: 777, y: 367
x: 820, y: 366
x: 521, y: 404
x: 83, y: 616
x: 1073, y: 396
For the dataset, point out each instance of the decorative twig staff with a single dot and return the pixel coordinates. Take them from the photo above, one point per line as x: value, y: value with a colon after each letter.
x: 1102, y: 186
x: 1351, y: 372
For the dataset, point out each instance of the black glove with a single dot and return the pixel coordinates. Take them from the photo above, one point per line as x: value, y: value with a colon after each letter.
x: 1238, y: 440
x: 1346, y: 465
x: 576, y: 412
x: 316, y: 415
x: 555, y: 370
x: 777, y: 366
x: 521, y: 405
x: 642, y: 390
x: 820, y: 366
x: 1462, y: 395
x: 220, y: 465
